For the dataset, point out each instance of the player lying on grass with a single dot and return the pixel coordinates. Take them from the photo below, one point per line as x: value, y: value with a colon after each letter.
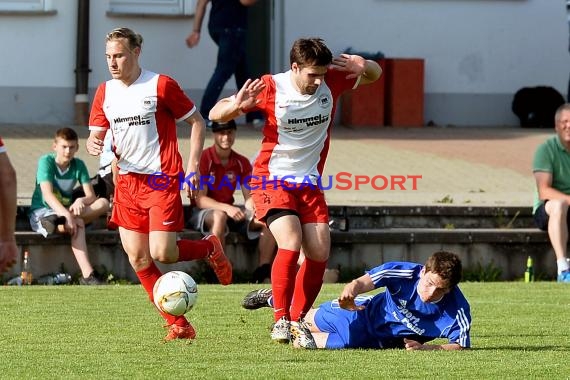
x: 420, y: 303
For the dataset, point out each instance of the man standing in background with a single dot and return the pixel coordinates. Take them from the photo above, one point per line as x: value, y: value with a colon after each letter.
x: 227, y: 27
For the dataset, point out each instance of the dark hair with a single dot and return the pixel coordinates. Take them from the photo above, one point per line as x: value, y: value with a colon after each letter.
x: 134, y: 39
x: 310, y: 52
x: 218, y: 127
x: 66, y: 134
x: 447, y: 265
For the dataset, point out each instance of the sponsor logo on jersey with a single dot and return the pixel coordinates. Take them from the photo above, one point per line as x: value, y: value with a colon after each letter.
x: 309, y: 121
x: 132, y: 121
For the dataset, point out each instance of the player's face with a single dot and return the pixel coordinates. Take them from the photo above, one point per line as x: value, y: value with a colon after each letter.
x: 307, y: 79
x: 224, y: 140
x: 563, y: 127
x: 122, y: 62
x: 64, y: 150
x: 432, y: 287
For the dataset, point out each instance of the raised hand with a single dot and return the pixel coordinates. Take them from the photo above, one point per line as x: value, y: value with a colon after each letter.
x: 246, y: 97
x: 355, y: 65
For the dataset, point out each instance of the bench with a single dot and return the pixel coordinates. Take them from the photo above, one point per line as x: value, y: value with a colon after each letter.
x: 503, y: 237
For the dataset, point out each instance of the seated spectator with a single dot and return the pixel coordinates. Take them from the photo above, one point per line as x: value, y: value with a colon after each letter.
x: 223, y: 170
x: 53, y: 210
x: 551, y: 169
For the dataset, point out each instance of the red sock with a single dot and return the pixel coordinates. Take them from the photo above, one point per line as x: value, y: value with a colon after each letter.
x: 148, y: 278
x: 189, y: 250
x: 307, y: 286
x: 283, y: 280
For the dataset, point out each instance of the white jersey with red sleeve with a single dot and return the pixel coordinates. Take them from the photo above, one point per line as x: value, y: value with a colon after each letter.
x: 296, y: 135
x: 142, y: 118
x: 2, y: 147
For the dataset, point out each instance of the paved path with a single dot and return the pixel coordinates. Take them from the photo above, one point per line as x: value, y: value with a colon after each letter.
x: 458, y: 166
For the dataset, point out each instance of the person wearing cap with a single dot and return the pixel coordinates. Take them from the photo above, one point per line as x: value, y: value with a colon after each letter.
x: 223, y: 171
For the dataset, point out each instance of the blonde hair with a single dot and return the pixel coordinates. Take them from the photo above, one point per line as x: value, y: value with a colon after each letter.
x: 135, y: 40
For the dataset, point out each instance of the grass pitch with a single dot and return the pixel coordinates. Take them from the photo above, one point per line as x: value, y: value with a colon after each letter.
x: 519, y: 331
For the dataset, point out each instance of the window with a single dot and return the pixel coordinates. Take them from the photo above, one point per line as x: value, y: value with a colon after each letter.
x: 25, y: 5
x: 153, y: 7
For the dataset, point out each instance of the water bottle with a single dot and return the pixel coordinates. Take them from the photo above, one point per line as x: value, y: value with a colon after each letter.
x: 55, y: 279
x: 26, y: 274
x: 529, y: 272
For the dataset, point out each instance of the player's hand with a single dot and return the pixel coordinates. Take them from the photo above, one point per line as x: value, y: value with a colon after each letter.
x: 193, y: 188
x: 355, y: 65
x: 94, y: 146
x: 8, y: 254
x: 412, y: 345
x: 246, y: 97
x: 347, y: 303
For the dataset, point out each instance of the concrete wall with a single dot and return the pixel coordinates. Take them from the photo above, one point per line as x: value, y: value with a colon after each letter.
x: 477, y: 53
x: 352, y: 258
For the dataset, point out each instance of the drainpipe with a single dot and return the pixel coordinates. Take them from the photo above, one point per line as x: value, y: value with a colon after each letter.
x: 82, y: 64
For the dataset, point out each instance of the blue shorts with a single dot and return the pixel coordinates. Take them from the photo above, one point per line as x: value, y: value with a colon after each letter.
x: 347, y: 329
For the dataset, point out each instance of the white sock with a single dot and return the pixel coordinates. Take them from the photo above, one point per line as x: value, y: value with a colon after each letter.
x: 562, y: 265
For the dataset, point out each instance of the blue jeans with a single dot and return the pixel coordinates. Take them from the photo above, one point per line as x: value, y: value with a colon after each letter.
x: 231, y: 60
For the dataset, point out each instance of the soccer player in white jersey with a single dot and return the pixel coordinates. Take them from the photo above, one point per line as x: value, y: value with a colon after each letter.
x: 140, y: 108
x: 299, y: 107
x: 420, y: 303
x: 8, y: 207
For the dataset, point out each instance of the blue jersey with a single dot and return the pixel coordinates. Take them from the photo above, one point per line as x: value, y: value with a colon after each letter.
x: 399, y: 311
x: 396, y: 313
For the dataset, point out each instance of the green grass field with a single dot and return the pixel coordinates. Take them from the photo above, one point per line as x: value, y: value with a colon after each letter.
x: 519, y: 331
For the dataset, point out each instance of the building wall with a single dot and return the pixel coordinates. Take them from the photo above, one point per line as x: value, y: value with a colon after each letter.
x: 477, y: 53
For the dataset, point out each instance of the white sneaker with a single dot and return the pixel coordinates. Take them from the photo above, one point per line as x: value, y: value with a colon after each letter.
x: 301, y: 336
x: 281, y: 331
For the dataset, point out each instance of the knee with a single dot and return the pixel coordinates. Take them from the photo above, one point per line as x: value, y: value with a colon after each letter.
x: 219, y: 217
x: 557, y: 208
x: 79, y: 222
x: 163, y: 256
x: 140, y: 262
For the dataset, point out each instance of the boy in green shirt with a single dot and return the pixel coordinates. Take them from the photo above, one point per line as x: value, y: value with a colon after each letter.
x: 53, y: 207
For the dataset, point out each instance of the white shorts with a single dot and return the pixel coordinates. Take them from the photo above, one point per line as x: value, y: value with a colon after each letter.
x: 35, y: 217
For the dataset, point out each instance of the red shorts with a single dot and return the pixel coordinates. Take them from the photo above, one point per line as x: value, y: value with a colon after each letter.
x: 144, y: 203
x: 308, y: 202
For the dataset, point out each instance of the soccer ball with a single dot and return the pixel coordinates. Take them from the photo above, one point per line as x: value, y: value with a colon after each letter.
x: 175, y: 293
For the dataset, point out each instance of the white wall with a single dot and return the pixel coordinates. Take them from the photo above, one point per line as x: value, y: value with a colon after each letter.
x: 477, y: 52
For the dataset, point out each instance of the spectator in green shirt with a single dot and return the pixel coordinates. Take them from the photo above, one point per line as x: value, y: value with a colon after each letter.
x: 53, y: 208
x: 551, y: 168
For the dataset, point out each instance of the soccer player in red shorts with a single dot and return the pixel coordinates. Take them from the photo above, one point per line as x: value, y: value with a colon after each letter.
x: 8, y: 206
x: 299, y: 107
x: 140, y: 108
